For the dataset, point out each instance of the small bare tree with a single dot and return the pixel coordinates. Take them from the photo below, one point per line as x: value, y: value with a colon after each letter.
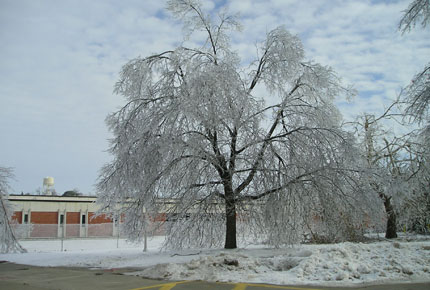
x: 197, y: 139
x: 8, y: 240
x: 399, y: 164
x: 384, y: 155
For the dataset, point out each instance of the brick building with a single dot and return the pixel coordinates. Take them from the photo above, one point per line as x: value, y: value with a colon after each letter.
x: 49, y: 216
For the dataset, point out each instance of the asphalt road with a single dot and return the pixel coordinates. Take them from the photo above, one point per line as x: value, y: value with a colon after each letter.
x: 23, y: 277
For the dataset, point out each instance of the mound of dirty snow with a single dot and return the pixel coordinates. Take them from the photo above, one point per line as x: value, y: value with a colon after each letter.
x: 339, y: 264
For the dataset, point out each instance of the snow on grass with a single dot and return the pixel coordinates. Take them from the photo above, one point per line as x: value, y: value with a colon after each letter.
x: 91, y: 253
x: 337, y: 264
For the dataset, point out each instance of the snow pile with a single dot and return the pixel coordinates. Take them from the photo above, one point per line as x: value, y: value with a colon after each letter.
x: 367, y: 262
x: 339, y: 264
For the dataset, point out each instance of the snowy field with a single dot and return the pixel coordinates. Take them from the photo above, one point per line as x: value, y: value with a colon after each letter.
x: 406, y: 259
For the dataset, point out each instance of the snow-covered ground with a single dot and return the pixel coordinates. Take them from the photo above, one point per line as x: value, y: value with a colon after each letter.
x: 406, y: 259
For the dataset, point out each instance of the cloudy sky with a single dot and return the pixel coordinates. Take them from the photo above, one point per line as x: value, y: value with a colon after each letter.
x: 59, y: 61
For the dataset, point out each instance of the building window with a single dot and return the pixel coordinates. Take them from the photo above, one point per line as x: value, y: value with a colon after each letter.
x: 83, y: 218
x: 61, y: 219
x: 26, y: 218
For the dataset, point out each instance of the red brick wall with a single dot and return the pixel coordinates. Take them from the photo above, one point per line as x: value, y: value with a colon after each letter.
x: 44, y: 231
x: 72, y: 230
x: 101, y: 219
x: 44, y: 217
x: 73, y: 218
x: 100, y: 230
x: 17, y: 216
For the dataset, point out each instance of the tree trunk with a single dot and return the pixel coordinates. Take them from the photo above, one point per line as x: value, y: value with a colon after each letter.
x: 391, y: 231
x: 230, y: 234
x: 230, y: 217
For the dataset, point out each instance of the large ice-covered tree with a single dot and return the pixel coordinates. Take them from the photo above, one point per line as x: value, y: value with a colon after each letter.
x: 417, y: 93
x: 220, y: 142
x: 415, y: 214
x: 417, y: 11
x: 417, y: 98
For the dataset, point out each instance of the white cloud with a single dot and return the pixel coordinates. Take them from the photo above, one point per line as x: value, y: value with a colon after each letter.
x: 359, y: 39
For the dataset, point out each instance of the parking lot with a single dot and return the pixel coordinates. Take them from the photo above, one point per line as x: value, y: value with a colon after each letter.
x: 14, y: 276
